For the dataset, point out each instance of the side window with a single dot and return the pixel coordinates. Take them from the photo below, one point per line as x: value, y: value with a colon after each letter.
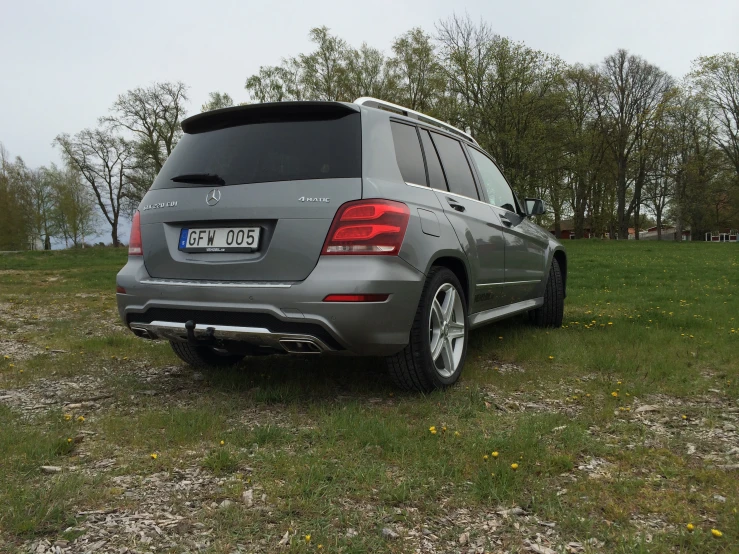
x: 408, y: 153
x: 499, y: 193
x: 456, y: 168
x: 436, y: 173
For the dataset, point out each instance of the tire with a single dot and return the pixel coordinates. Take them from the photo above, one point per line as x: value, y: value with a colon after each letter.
x: 550, y: 314
x: 440, y: 323
x: 203, y: 357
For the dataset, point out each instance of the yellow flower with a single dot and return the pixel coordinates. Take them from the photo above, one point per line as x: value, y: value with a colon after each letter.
x: 319, y: 547
x: 690, y: 527
x: 81, y: 419
x: 69, y: 440
x: 485, y: 457
x: 457, y: 433
x: 307, y: 538
x: 6, y: 357
x: 551, y: 357
x: 618, y: 383
x: 223, y: 442
x: 154, y: 455
x: 514, y: 466
x: 610, y: 323
x: 12, y: 365
x: 614, y: 394
x: 432, y: 430
x: 443, y: 429
x: 67, y: 417
x: 684, y: 416
x: 716, y: 533
x: 494, y: 454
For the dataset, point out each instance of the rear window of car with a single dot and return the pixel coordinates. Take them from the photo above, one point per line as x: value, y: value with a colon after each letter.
x: 266, y: 152
x: 457, y: 170
x: 408, y: 153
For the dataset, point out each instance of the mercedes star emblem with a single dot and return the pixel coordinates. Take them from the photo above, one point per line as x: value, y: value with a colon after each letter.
x: 213, y: 197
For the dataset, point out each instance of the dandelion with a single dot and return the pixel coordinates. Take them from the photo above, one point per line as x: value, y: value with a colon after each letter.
x: 457, y: 433
x: 67, y: 417
x: 610, y: 323
x: 690, y: 527
x: 443, y: 429
x: 614, y: 394
x: 81, y: 419
x: 514, y: 466
x: 716, y: 533
x: 222, y: 443
x: 12, y: 365
x: 6, y: 357
x: 69, y: 440
x: 432, y: 430
x: 307, y: 538
x: 619, y: 383
x: 319, y: 547
x: 485, y: 458
x: 154, y: 455
x: 494, y: 454
x: 551, y: 357
x: 684, y: 416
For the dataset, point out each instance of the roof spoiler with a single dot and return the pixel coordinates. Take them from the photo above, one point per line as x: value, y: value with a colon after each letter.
x: 266, y: 113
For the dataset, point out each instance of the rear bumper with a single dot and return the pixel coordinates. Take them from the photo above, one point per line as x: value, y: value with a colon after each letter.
x: 268, y: 314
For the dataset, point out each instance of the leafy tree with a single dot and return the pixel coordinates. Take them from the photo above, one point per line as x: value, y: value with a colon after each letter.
x: 216, y: 101
x: 421, y: 78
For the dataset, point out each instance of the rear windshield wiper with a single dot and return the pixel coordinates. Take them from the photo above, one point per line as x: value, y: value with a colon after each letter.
x: 197, y: 178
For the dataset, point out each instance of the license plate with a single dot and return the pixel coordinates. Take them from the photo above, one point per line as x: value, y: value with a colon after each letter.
x: 220, y: 239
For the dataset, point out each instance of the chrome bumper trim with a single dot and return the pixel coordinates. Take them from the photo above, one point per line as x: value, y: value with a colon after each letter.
x: 228, y: 284
x: 256, y: 336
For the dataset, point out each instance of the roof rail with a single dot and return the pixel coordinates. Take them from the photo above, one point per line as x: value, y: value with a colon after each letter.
x: 377, y: 103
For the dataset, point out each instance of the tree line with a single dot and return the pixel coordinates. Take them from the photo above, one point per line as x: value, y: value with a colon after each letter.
x: 611, y: 146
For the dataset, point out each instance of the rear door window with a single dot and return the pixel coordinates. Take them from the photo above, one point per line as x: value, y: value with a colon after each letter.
x: 408, y: 153
x: 436, y: 173
x: 297, y: 150
x: 457, y: 170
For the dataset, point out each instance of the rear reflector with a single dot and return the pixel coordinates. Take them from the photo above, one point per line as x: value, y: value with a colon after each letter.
x: 120, y: 290
x: 356, y: 298
x: 134, y: 242
x: 368, y: 227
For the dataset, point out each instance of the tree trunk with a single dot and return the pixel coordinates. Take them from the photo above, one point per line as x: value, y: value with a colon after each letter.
x: 659, y: 224
x: 622, y: 222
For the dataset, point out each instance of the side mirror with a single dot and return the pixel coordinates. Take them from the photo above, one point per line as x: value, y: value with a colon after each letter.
x: 534, y: 206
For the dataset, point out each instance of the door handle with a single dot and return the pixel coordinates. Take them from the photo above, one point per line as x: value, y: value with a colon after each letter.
x: 505, y: 220
x: 455, y: 205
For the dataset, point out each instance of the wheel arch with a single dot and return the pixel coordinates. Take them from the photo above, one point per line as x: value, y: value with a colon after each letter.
x: 561, y: 258
x: 459, y: 268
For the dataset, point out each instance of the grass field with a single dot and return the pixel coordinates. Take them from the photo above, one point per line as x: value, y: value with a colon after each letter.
x: 623, y: 425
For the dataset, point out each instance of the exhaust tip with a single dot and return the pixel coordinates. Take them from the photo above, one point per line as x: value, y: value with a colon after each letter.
x: 300, y: 346
x: 143, y: 333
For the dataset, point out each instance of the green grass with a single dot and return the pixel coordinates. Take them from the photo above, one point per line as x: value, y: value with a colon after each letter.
x: 332, y: 445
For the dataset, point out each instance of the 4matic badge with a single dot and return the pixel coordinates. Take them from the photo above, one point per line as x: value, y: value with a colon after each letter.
x: 313, y: 199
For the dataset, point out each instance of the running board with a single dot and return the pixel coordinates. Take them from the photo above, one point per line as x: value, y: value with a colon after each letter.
x: 488, y: 316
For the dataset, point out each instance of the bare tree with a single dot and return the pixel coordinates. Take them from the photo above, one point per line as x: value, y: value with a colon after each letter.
x: 104, y: 161
x: 632, y: 92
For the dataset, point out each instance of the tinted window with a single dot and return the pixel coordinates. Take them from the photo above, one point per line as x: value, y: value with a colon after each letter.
x: 456, y: 168
x: 499, y: 193
x: 273, y: 151
x: 408, y: 153
x: 436, y: 174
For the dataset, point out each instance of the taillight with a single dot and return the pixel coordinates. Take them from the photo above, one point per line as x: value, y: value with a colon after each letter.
x: 134, y: 241
x: 369, y: 227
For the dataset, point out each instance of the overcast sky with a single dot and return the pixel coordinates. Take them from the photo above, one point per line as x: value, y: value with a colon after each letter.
x: 63, y: 63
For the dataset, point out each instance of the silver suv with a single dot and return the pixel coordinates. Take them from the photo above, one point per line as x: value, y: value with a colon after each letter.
x: 358, y: 228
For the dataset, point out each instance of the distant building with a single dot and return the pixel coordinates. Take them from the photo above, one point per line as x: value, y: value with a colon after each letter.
x: 668, y: 233
x: 723, y: 235
x: 567, y: 230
